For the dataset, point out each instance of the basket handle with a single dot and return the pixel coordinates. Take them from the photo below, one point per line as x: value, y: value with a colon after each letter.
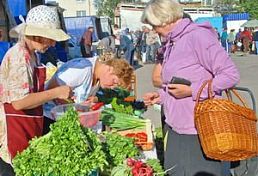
x: 228, y: 91
x: 201, y: 90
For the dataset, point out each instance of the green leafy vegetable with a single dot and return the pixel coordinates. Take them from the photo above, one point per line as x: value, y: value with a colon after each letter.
x: 107, y: 95
x: 67, y: 149
x: 121, y: 121
x: 118, y: 148
x: 121, y: 170
x: 122, y: 107
x: 155, y: 165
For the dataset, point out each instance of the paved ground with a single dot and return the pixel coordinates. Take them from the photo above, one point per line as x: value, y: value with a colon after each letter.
x: 248, y: 66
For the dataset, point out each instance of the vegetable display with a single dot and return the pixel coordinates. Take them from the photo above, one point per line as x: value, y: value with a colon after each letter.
x: 135, y: 167
x: 122, y: 107
x: 121, y: 101
x: 121, y: 121
x: 107, y: 95
x: 149, y: 168
x: 118, y: 148
x: 139, y: 137
x: 68, y: 149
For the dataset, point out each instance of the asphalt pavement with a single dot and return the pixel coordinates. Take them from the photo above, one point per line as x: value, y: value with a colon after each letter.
x: 247, y: 65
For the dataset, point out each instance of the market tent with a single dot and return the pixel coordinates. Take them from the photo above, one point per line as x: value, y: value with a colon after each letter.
x: 250, y: 23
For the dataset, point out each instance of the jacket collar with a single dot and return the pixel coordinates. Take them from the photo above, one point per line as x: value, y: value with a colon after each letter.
x: 178, y: 31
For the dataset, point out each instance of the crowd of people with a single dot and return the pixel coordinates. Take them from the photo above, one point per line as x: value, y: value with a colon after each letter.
x: 243, y: 40
x: 141, y: 45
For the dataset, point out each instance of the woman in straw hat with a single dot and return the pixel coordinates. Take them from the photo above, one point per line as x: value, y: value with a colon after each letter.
x: 196, y: 58
x: 22, y: 82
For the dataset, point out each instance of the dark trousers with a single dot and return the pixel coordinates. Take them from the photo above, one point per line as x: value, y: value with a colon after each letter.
x: 129, y: 55
x: 184, y: 153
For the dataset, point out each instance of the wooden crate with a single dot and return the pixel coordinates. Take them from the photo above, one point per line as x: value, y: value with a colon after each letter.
x: 148, y: 130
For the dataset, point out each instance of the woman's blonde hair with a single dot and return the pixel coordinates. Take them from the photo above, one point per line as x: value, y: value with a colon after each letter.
x: 123, y: 70
x: 162, y: 12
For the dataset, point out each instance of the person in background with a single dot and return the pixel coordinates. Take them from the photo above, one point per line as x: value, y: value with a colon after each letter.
x: 238, y: 35
x: 108, y: 44
x: 153, y: 43
x: 88, y: 74
x: 231, y: 41
x: 145, y: 31
x: 127, y: 46
x: 223, y: 39
x: 255, y: 39
x: 86, y: 42
x: 137, y: 43
x: 216, y: 29
x: 246, y: 37
x: 22, y: 80
x: 239, y: 40
x: 128, y: 33
x: 189, y: 56
x: 117, y: 32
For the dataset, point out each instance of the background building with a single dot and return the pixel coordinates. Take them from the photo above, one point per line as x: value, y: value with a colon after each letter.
x: 75, y: 8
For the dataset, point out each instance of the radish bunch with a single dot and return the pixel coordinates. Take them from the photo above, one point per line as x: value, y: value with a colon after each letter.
x: 139, y: 168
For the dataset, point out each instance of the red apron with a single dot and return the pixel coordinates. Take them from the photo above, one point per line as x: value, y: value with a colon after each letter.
x: 23, y: 125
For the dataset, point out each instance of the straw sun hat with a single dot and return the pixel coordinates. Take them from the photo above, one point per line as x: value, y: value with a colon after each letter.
x: 40, y: 21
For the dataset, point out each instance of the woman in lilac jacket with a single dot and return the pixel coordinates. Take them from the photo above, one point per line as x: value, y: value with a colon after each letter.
x: 194, y: 53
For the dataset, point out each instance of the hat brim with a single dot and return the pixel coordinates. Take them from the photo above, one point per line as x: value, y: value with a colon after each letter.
x: 54, y: 34
x: 29, y: 30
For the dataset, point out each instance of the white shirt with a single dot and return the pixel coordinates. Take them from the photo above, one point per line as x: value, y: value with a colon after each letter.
x: 78, y: 74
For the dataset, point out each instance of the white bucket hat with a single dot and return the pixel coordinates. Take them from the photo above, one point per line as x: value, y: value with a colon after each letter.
x: 40, y: 21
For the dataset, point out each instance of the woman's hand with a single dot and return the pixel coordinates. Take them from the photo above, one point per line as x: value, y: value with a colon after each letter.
x: 151, y: 98
x: 179, y: 90
x: 64, y: 92
x: 91, y: 100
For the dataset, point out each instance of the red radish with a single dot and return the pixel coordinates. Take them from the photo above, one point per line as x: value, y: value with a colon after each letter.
x: 135, y: 171
x: 138, y: 164
x: 149, y: 171
x: 130, y: 162
x: 142, y: 171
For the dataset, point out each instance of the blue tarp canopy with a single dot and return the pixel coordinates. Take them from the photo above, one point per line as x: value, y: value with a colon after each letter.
x: 235, y: 17
x: 4, y: 46
x: 17, y: 7
x: 76, y: 26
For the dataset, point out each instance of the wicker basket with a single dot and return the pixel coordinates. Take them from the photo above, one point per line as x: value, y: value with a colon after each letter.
x: 227, y: 131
